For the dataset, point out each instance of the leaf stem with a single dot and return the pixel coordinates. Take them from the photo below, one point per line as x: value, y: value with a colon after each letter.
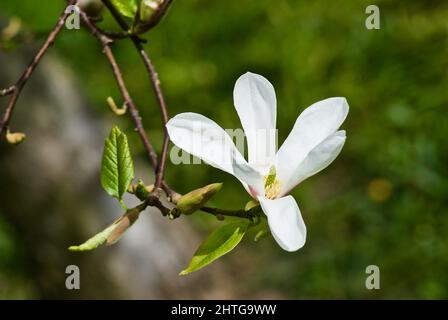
x: 123, y: 205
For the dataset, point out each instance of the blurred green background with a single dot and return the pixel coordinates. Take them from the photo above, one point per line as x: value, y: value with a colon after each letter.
x: 384, y: 201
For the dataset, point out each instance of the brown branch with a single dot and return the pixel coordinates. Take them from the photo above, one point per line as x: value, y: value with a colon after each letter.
x: 153, y: 199
x: 16, y: 89
x: 162, y: 104
x: 115, y: 35
x: 220, y: 213
x: 155, y: 81
x: 105, y: 42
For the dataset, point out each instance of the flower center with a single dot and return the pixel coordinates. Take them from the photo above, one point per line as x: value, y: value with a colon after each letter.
x: 271, y: 184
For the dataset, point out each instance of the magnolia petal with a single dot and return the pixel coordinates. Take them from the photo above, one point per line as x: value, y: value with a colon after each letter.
x: 256, y: 105
x: 315, y: 124
x: 203, y: 138
x: 285, y: 221
x: 318, y: 159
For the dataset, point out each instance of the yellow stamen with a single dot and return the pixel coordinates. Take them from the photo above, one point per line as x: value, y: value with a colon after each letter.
x: 271, y: 184
x: 272, y: 191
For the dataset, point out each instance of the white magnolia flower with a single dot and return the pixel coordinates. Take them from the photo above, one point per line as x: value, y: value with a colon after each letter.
x: 268, y: 176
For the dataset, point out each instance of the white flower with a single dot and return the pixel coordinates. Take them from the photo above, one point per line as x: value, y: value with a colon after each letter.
x: 268, y: 176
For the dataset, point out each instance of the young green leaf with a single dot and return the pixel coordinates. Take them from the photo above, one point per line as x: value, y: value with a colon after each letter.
x: 117, y: 167
x: 217, y: 244
x: 111, y: 234
x: 128, y: 8
x: 94, y: 242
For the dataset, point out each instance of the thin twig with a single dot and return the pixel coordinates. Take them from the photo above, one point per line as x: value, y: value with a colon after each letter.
x: 115, y: 35
x: 105, y: 42
x: 162, y: 104
x: 247, y: 214
x: 7, y: 91
x: 16, y: 90
x: 153, y: 199
x: 160, y: 97
x: 155, y: 81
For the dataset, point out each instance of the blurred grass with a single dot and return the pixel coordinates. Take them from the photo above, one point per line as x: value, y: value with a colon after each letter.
x: 383, y: 201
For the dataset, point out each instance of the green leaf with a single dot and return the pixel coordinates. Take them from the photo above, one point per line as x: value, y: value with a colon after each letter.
x: 217, y: 244
x: 128, y: 8
x: 117, y: 167
x: 94, y: 242
x: 112, y: 233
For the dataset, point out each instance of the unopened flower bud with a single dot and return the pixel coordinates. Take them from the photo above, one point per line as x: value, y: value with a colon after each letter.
x: 149, y: 14
x: 194, y: 200
x: 15, y: 137
x: 140, y: 190
x: 91, y: 7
